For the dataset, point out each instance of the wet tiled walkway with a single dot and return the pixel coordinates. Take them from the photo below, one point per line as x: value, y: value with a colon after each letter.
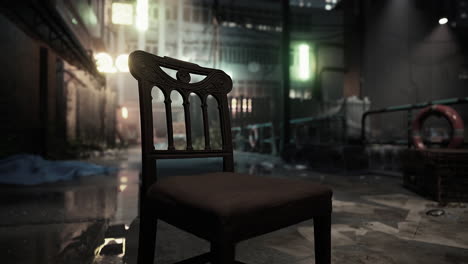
x: 375, y: 220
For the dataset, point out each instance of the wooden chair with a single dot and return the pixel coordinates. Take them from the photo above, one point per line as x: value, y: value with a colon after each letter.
x: 223, y: 208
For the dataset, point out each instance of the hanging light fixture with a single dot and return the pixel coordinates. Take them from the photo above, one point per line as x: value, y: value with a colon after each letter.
x: 443, y: 20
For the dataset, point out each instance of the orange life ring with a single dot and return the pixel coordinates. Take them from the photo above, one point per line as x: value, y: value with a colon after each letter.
x: 456, y: 123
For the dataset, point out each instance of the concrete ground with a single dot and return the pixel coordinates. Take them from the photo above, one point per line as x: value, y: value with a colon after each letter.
x: 375, y: 220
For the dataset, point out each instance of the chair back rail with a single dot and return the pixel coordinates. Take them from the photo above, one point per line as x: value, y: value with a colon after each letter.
x: 147, y: 70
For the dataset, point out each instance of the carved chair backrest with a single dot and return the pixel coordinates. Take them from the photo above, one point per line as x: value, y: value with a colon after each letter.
x: 146, y: 68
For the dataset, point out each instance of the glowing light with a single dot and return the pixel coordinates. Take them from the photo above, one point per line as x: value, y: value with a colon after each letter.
x: 328, y: 7
x: 121, y: 62
x: 104, y: 62
x: 234, y: 105
x: 107, y: 241
x: 443, y: 21
x: 142, y: 15
x: 249, y: 105
x: 123, y: 179
x: 122, y: 187
x: 292, y: 94
x: 244, y: 105
x: 124, y: 112
x: 304, y: 64
x: 122, y: 13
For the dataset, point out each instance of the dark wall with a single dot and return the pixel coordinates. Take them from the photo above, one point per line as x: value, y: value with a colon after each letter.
x: 408, y: 56
x: 49, y: 106
x: 27, y: 99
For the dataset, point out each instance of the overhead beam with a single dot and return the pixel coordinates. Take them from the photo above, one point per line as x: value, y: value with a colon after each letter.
x: 41, y: 20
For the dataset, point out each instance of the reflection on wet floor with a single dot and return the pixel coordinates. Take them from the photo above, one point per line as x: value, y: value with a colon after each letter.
x: 375, y: 220
x: 56, y: 223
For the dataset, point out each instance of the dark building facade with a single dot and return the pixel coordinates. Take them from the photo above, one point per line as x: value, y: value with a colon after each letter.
x: 52, y: 95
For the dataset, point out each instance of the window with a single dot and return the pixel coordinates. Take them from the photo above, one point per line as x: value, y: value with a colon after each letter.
x: 187, y: 14
x: 197, y: 16
x: 169, y: 13
x: 206, y: 13
x: 155, y: 13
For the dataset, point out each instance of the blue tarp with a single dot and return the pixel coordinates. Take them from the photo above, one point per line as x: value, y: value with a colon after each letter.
x: 31, y: 169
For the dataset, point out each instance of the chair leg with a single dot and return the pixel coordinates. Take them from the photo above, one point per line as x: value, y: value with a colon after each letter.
x: 147, y: 237
x: 322, y: 237
x: 223, y: 253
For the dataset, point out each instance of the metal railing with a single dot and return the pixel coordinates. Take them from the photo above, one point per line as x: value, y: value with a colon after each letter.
x: 408, y: 108
x: 330, y: 124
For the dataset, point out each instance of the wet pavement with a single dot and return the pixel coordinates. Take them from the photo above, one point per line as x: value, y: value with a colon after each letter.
x: 375, y: 220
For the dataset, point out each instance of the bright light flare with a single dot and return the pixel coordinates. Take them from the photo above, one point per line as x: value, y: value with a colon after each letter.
x: 304, y: 63
x: 121, y: 62
x: 142, y: 15
x: 124, y: 112
x: 122, y: 13
x: 234, y: 105
x: 104, y: 62
x: 443, y: 21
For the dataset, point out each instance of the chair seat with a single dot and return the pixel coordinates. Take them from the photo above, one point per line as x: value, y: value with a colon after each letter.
x: 239, y: 206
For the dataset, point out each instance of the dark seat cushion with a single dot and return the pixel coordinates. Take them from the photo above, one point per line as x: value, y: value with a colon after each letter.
x: 238, y: 205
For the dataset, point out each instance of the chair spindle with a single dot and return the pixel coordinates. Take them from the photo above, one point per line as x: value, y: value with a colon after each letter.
x: 188, y: 127
x: 206, y: 129
x: 170, y: 133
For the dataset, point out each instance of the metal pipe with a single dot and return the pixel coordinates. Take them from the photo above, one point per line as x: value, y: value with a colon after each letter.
x: 285, y: 56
